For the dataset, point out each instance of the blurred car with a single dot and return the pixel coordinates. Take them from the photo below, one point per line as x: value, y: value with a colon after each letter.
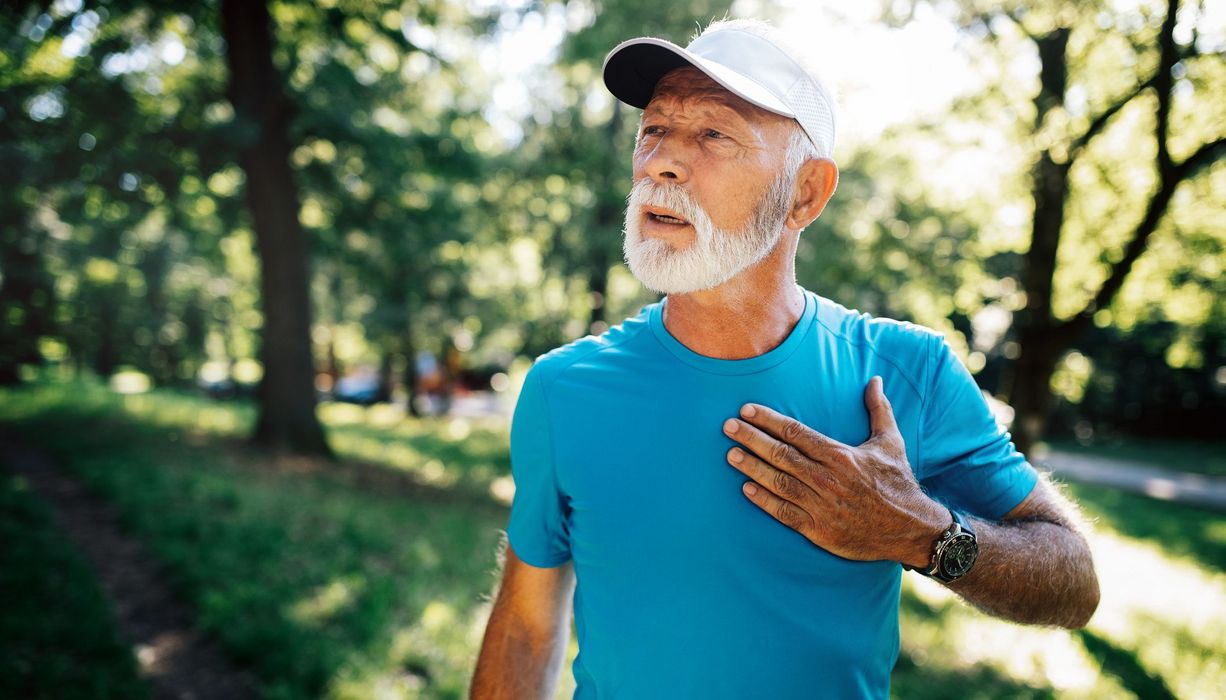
x: 361, y: 388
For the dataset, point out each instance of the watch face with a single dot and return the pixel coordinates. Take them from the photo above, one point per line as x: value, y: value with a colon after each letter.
x: 959, y: 554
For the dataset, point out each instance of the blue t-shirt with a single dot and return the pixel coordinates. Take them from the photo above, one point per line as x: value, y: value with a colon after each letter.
x: 685, y: 588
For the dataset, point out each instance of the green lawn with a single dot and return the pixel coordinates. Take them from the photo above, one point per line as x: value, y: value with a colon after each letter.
x: 369, y: 576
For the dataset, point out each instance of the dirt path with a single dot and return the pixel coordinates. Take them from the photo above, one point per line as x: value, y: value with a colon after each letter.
x: 174, y: 659
x: 1155, y: 482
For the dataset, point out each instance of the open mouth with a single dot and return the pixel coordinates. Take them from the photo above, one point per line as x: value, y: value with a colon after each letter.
x: 665, y: 217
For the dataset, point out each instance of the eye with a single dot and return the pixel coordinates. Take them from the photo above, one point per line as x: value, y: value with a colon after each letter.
x: 652, y: 130
x: 713, y: 134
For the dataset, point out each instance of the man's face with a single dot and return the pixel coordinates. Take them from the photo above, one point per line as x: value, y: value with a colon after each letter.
x: 711, y: 193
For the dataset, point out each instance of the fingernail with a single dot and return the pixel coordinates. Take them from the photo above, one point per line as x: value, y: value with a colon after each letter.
x: 735, y: 456
x: 730, y: 426
x: 750, y: 489
x: 748, y: 410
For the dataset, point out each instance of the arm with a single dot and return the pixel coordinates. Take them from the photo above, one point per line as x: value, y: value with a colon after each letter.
x: 529, y: 627
x: 1034, y: 566
x: 863, y: 503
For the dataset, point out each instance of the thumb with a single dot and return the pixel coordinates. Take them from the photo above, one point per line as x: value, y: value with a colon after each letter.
x: 880, y: 412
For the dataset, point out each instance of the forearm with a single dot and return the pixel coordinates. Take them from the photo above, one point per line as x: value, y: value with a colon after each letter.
x: 525, y: 643
x: 1032, y: 571
x: 514, y: 664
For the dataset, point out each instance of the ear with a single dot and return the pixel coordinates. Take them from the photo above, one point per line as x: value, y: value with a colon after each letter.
x: 815, y: 183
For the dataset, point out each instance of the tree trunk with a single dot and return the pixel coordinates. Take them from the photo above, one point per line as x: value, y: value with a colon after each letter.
x: 410, y: 369
x: 1031, y: 396
x: 598, y: 286
x: 287, y: 419
x: 608, y: 215
x: 1029, y: 392
x: 22, y: 317
x: 332, y: 368
x: 106, y: 313
x: 384, y: 394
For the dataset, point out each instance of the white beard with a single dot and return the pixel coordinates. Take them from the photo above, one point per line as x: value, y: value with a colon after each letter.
x: 716, y: 255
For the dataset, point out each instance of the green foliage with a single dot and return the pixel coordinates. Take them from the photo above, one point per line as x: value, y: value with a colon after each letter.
x: 1092, y: 107
x: 57, y: 628
x: 125, y: 190
x: 1144, y: 383
x: 124, y: 241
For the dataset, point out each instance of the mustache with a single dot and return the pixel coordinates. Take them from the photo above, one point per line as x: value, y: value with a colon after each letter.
x: 647, y: 192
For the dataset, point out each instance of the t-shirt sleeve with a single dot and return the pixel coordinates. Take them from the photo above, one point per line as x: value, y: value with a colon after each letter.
x: 968, y: 462
x: 537, y: 529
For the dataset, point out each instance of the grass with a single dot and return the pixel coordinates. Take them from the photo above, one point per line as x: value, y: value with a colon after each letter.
x: 1197, y: 457
x: 368, y: 576
x: 56, y: 631
x: 324, y: 584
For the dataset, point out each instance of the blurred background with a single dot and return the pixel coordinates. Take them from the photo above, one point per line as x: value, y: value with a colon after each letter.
x: 271, y: 275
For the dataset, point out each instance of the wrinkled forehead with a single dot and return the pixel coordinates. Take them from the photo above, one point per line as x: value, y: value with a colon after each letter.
x: 690, y: 84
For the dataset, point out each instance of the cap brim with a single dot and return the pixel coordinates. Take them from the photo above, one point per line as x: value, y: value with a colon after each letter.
x: 632, y: 69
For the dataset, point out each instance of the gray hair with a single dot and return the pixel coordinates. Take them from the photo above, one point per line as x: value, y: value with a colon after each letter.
x: 800, y: 150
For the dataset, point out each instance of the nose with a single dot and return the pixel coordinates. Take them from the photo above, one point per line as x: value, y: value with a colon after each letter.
x: 664, y: 161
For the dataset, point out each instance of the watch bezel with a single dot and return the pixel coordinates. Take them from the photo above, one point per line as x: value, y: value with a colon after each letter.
x: 949, y: 556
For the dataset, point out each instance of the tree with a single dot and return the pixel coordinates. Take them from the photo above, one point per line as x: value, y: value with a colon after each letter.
x: 287, y: 391
x: 1069, y: 167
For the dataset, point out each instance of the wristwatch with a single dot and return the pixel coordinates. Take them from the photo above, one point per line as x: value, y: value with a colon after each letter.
x: 955, y: 551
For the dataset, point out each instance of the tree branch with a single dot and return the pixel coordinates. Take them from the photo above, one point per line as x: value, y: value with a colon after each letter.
x: 1170, y: 181
x: 1101, y: 120
x: 1163, y: 83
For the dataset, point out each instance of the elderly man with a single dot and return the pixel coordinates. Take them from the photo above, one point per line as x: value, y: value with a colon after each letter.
x: 729, y: 485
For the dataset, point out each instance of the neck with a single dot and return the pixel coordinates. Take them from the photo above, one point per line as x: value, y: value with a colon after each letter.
x: 745, y: 317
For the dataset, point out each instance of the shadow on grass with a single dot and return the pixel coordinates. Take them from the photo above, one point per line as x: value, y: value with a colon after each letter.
x: 1123, y: 664
x: 914, y: 679
x: 1182, y: 529
x: 916, y: 676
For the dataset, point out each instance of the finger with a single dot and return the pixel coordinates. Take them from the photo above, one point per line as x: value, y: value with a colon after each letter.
x: 782, y: 510
x: 789, y: 430
x: 777, y: 481
x: 781, y: 455
x: 880, y: 412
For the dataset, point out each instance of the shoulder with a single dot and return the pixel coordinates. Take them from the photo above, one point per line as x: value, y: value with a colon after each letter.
x: 907, y: 347
x: 590, y: 349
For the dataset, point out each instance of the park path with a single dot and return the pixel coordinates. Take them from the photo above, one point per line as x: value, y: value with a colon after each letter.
x: 176, y: 660
x: 1138, y: 477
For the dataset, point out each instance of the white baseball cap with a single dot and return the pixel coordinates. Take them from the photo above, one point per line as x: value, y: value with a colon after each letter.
x: 748, y: 65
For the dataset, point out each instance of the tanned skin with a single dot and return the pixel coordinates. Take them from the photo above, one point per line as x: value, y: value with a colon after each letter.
x: 1034, y: 565
x: 525, y: 640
